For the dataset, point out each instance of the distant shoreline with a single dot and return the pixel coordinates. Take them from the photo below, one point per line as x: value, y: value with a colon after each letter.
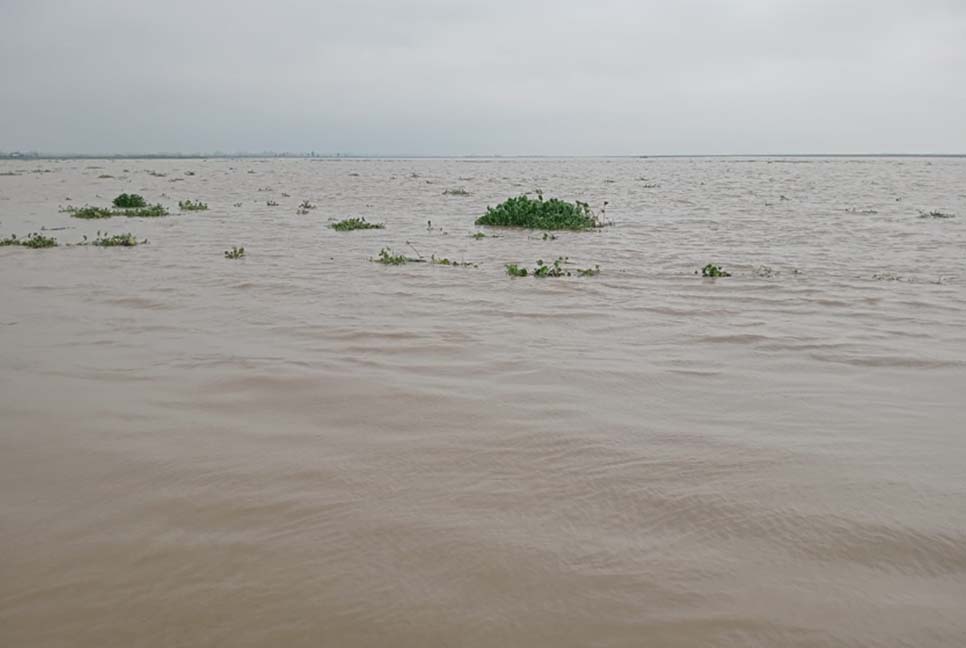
x: 310, y: 156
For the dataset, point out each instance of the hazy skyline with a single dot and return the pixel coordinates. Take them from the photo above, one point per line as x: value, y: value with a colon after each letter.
x: 435, y: 77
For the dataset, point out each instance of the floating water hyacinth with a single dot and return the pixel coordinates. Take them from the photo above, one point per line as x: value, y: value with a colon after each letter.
x: 350, y: 224
x: 189, y: 205
x: 713, y: 270
x: 554, y: 269
x: 553, y: 214
x: 34, y: 240
x: 117, y: 240
x: 127, y: 201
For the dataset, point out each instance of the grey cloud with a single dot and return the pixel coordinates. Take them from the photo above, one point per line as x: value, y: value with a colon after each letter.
x: 507, y: 77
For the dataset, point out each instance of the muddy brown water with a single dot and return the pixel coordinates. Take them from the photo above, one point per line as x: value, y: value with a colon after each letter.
x: 303, y: 448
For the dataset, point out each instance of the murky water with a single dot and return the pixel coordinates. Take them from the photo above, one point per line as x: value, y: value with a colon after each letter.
x: 303, y: 448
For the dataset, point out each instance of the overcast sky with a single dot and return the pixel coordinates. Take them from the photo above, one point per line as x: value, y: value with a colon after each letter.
x: 485, y: 77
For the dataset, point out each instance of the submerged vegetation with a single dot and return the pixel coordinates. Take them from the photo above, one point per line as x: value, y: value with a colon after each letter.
x: 235, y: 253
x: 713, y: 270
x: 553, y: 214
x: 350, y: 224
x: 189, y: 205
x: 34, y: 240
x: 127, y: 201
x: 460, y: 191
x: 936, y: 214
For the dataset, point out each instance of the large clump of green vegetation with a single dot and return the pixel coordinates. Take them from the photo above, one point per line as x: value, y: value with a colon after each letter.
x: 33, y: 240
x: 553, y: 214
x: 350, y: 224
x: 128, y: 201
x: 189, y: 205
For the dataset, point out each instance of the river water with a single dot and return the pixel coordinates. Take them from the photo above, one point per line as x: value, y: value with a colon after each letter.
x: 304, y: 448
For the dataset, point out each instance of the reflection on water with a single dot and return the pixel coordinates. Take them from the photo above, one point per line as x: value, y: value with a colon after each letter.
x: 302, y: 448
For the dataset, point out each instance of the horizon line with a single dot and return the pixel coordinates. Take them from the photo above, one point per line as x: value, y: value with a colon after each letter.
x: 162, y: 155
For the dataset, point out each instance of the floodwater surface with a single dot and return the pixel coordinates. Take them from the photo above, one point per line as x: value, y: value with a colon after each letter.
x: 305, y: 448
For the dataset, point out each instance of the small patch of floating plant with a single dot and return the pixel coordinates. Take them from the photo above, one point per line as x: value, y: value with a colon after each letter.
x: 271, y: 203
x: 388, y: 257
x: 936, y: 214
x: 88, y: 212
x: 305, y: 204
x: 151, y: 211
x: 713, y: 270
x: 235, y: 253
x: 435, y: 260
x: 190, y: 205
x: 116, y: 240
x: 459, y: 191
x: 350, y: 224
x: 515, y: 270
x: 554, y: 269
x: 525, y: 212
x: 128, y: 201
x: 34, y: 240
